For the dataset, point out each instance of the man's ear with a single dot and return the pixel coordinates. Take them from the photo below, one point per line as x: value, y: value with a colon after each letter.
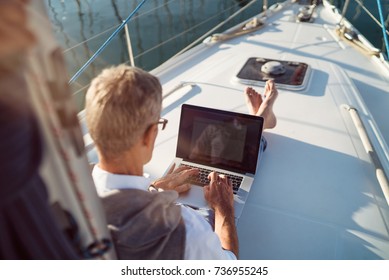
x: 149, y: 136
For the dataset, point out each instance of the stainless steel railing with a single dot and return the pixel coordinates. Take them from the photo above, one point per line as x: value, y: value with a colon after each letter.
x: 370, y: 150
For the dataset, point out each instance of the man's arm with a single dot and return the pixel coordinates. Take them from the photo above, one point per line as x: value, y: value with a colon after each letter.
x: 220, y: 197
x: 201, y: 241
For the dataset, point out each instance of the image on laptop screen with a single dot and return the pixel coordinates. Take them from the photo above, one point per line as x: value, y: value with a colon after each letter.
x: 221, y: 139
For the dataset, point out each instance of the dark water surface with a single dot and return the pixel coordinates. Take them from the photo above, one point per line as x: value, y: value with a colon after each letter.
x: 160, y: 29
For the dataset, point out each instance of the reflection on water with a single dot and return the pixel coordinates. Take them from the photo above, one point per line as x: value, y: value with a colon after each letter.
x: 160, y: 29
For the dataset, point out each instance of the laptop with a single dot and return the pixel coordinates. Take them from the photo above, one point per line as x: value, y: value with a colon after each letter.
x: 222, y: 141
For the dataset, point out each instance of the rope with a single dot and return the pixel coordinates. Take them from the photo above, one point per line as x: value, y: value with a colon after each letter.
x: 105, y: 44
x: 215, y: 28
x: 379, y: 4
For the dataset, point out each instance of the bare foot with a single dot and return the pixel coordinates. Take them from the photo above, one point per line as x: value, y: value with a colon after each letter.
x: 266, y: 108
x: 263, y: 107
x: 253, y: 100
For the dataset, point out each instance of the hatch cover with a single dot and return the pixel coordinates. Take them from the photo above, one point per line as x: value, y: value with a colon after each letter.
x: 286, y: 74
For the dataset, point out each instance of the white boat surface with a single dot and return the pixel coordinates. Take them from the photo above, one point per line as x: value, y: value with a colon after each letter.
x: 315, y: 193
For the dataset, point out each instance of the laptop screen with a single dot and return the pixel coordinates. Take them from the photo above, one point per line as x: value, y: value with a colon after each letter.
x: 221, y: 139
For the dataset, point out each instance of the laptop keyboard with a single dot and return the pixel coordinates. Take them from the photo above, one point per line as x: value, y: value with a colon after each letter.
x: 202, y: 179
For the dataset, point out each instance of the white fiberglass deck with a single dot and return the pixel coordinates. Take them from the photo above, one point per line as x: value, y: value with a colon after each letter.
x: 315, y: 195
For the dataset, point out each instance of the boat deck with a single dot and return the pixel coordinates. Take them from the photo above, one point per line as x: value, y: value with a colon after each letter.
x: 315, y: 194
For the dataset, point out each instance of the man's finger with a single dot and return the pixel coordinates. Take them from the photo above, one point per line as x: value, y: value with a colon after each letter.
x: 181, y: 168
x: 206, y: 191
x: 212, y: 176
x: 224, y: 179
x: 181, y: 178
x: 171, y: 168
x: 190, y: 172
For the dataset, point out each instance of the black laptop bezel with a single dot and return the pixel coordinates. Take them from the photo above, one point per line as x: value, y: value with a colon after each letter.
x: 247, y: 166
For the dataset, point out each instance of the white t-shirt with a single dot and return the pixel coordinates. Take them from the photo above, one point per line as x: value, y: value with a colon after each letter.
x: 201, y: 241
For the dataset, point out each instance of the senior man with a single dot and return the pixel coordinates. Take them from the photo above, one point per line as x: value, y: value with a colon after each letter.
x: 123, y: 107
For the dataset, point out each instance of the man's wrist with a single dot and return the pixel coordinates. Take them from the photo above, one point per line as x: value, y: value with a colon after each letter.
x: 225, y: 211
x: 152, y: 188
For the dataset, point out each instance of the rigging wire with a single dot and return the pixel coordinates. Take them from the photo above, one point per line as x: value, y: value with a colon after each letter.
x: 105, y: 44
x: 170, y: 39
x: 186, y: 31
x: 115, y: 26
x: 371, y: 15
x: 379, y: 4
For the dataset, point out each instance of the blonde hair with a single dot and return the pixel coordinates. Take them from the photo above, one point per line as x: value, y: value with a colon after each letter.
x: 121, y: 103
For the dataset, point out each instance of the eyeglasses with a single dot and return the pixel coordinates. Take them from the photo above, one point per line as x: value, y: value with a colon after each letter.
x: 162, y: 122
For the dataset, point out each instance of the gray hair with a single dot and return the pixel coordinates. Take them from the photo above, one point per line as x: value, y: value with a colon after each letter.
x: 121, y: 103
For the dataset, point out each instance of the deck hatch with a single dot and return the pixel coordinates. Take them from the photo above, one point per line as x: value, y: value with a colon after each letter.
x: 287, y: 74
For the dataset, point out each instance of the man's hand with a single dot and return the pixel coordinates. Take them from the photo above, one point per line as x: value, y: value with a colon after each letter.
x: 176, y: 179
x: 219, y: 194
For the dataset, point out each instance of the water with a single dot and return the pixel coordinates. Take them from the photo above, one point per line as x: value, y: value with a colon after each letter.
x: 158, y: 30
